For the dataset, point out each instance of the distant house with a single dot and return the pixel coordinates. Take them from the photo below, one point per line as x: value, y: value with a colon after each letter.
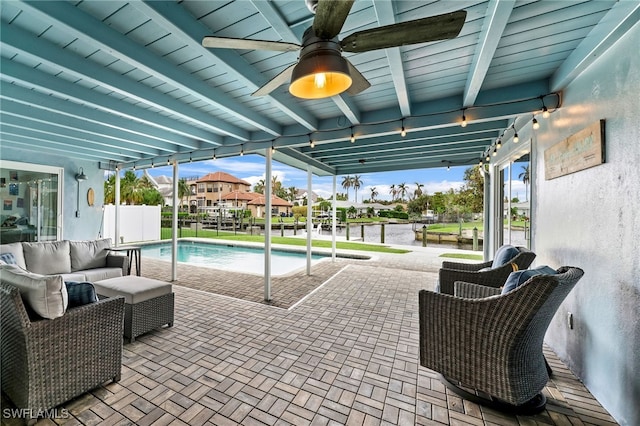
x: 302, y: 194
x: 209, y: 191
x: 278, y: 206
x: 164, y: 185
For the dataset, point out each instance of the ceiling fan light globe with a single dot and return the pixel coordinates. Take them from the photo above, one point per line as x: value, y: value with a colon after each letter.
x: 320, y: 75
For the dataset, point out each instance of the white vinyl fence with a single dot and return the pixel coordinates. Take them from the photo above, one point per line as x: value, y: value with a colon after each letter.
x: 137, y: 223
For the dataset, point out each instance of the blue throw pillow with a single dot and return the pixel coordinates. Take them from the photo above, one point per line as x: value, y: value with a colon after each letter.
x: 520, y: 277
x: 8, y: 258
x: 504, y: 256
x: 81, y: 293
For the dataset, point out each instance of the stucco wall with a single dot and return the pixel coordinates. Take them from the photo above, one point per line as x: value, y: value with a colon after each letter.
x: 591, y: 219
x: 88, y: 224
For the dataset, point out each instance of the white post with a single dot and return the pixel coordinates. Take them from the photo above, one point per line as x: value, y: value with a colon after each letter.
x: 267, y: 226
x: 309, y: 221
x: 117, y: 203
x: 333, y: 221
x: 174, y: 227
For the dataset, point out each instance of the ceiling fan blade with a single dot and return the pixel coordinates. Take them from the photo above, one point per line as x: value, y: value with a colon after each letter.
x: 275, y: 82
x: 238, y: 43
x: 358, y: 83
x: 330, y: 17
x: 433, y: 28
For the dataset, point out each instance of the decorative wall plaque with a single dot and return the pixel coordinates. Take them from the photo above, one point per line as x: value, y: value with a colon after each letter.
x: 577, y: 152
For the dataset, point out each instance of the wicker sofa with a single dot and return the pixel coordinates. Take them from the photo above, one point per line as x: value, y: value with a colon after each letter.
x: 46, y: 362
x: 73, y: 260
x: 485, y: 343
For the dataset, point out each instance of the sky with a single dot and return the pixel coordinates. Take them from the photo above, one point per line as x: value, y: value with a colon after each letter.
x: 251, y: 168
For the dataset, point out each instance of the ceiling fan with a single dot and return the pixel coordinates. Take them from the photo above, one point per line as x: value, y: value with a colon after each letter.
x: 321, y: 70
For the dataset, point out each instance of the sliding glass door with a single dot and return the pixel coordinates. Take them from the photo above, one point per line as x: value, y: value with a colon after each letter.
x: 31, y: 202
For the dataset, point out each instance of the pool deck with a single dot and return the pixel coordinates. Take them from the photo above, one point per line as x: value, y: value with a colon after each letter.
x: 337, y: 347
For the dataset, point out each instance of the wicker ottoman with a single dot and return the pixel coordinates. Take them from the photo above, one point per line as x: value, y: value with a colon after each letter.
x: 148, y: 303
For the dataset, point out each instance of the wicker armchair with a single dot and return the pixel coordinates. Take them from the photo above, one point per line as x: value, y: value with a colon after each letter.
x: 493, y: 345
x: 470, y: 272
x: 46, y: 362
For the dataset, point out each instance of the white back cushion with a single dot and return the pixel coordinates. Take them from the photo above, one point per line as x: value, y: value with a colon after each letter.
x: 46, y: 295
x: 48, y: 258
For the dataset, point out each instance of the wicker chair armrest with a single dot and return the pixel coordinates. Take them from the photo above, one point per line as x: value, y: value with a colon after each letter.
x: 491, y: 278
x: 118, y: 261
x: 466, y: 266
x: 473, y: 291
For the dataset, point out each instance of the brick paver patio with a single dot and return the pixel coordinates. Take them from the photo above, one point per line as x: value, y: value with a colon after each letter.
x: 346, y: 354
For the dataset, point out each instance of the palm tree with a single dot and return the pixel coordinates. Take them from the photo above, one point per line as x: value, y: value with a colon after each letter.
x: 292, y: 191
x: 259, y: 186
x: 346, y: 184
x: 393, y: 191
x: 525, y: 179
x: 374, y: 194
x: 356, y: 182
x: 183, y: 191
x: 402, y: 191
x: 418, y: 191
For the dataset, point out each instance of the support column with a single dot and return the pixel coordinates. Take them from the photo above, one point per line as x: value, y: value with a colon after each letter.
x: 174, y: 225
x: 117, y: 203
x: 333, y: 221
x: 309, y: 221
x: 267, y: 226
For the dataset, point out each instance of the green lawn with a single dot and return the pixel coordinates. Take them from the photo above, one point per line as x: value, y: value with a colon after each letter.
x: 463, y: 256
x: 230, y: 236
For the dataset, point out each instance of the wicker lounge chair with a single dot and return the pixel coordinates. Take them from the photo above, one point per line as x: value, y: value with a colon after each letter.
x: 489, y: 350
x: 470, y: 272
x: 46, y: 362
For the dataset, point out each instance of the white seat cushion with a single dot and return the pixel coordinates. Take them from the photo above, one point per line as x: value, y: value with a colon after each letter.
x: 134, y: 289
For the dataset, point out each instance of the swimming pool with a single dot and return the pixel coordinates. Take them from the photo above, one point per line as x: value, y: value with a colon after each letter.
x: 230, y: 258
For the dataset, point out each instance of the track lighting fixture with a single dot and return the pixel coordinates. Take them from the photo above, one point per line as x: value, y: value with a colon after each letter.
x: 190, y: 158
x: 241, y: 150
x: 464, y: 120
x: 168, y: 161
x: 152, y: 164
x: 516, y: 139
x: 353, y: 138
x: 535, y: 124
x: 311, y: 142
x: 495, y: 152
x: 273, y: 148
x: 134, y: 167
x: 488, y: 157
x: 499, y: 143
x: 403, y: 132
x: 214, y: 155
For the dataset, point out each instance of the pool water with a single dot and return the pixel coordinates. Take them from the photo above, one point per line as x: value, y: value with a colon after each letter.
x: 230, y: 258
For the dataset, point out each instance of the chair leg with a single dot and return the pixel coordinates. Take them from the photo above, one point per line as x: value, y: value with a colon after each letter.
x: 534, y: 406
x: 549, y: 370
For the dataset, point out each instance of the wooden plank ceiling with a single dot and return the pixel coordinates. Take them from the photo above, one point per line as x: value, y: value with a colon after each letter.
x: 128, y: 82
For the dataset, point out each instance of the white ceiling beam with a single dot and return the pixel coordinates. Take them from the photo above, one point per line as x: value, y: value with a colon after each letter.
x: 64, y: 90
x: 495, y: 21
x: 176, y: 19
x: 386, y: 16
x: 84, y: 26
x: 268, y: 10
x: 44, y: 51
x: 348, y: 108
x: 620, y: 19
x: 133, y: 132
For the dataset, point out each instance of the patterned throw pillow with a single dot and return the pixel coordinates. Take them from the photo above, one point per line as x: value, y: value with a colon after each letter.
x: 80, y: 293
x: 8, y: 258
